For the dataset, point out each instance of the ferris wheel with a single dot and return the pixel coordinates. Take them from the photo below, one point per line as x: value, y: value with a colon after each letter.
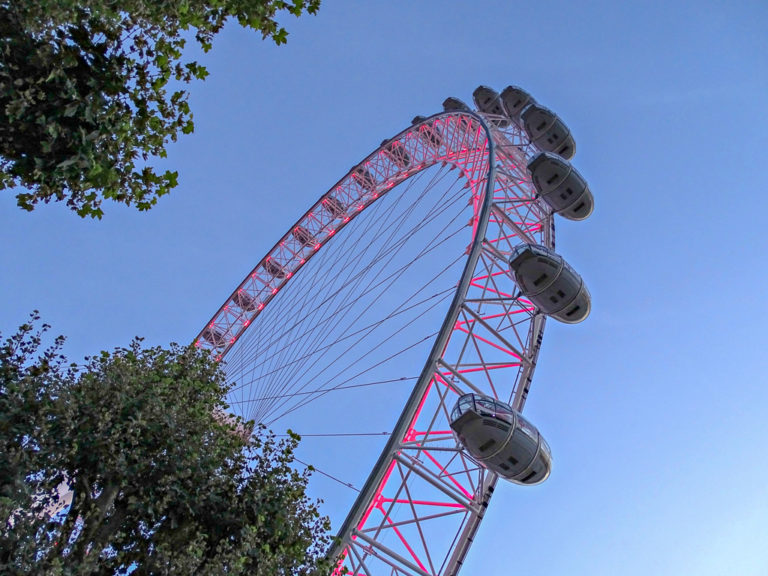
x: 411, y: 300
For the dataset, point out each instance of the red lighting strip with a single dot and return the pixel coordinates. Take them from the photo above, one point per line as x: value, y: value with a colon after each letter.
x: 377, y: 496
x: 500, y: 293
x: 448, y: 475
x: 503, y: 238
x: 486, y: 341
x: 483, y: 368
x: 489, y: 317
x: 403, y: 540
x: 444, y: 382
x: 424, y: 503
x: 432, y: 432
x: 492, y: 274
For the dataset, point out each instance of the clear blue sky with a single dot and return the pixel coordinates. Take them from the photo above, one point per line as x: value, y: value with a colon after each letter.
x: 656, y: 408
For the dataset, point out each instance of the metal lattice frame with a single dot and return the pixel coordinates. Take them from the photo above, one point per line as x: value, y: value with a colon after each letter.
x: 425, y: 498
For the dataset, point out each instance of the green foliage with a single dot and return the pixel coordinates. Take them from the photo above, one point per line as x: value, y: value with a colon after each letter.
x: 85, y: 92
x: 160, y: 484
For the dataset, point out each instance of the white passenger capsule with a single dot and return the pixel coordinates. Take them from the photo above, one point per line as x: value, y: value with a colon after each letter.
x: 547, y: 131
x: 561, y: 186
x: 452, y: 104
x: 515, y: 100
x: 274, y: 268
x: 333, y: 206
x: 500, y: 439
x: 244, y: 301
x: 547, y: 280
x: 364, y: 178
x: 303, y: 236
x: 488, y: 101
x: 214, y: 337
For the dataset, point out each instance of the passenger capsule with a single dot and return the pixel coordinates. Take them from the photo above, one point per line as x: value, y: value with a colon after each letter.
x: 488, y: 101
x: 452, y: 104
x: 455, y: 105
x: 547, y: 131
x: 430, y: 134
x: 333, y: 206
x: 274, y: 268
x: 500, y: 439
x: 561, y: 186
x: 214, y: 337
x: 303, y: 236
x: 546, y: 279
x: 364, y: 178
x: 244, y: 301
x: 515, y: 100
x: 397, y: 154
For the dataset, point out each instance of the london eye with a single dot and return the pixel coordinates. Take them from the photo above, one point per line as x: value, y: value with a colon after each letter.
x: 405, y: 310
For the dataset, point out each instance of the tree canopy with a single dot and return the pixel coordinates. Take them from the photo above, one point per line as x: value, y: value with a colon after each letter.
x: 92, y: 91
x: 159, y: 484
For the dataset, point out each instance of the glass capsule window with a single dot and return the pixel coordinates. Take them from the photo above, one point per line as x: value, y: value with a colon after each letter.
x: 484, y: 406
x: 527, y: 427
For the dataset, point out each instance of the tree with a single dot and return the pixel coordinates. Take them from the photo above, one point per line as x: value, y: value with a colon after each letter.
x: 92, y: 91
x: 159, y: 483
